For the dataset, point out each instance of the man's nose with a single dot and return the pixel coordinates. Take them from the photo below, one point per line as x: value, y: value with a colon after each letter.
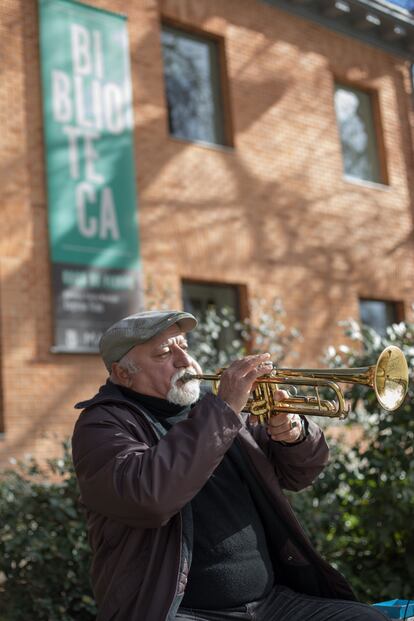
x: 181, y: 358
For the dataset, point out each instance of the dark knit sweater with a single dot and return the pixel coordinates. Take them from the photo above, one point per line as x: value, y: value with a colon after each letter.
x: 231, y: 563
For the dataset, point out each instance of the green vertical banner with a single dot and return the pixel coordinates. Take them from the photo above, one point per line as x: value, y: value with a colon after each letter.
x: 91, y: 186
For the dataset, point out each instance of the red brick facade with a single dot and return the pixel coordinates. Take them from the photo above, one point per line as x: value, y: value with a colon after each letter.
x: 273, y: 213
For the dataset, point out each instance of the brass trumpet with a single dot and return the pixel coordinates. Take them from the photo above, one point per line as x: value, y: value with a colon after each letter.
x: 388, y: 377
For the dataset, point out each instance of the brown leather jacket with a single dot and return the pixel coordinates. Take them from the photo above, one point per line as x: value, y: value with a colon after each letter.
x: 137, y: 482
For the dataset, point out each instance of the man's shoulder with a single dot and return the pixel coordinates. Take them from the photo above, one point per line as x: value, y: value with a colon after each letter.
x: 109, y: 405
x: 107, y: 416
x: 107, y: 393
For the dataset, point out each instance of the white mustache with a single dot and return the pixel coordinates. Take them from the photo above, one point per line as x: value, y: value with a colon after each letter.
x: 181, y: 372
x: 185, y: 394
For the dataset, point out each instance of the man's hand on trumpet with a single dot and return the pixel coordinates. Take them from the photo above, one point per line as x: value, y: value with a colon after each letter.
x: 237, y: 380
x: 285, y: 427
x: 236, y: 383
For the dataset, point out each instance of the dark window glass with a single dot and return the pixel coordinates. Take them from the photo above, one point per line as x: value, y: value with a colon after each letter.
x: 198, y: 298
x: 357, y: 130
x: 192, y: 82
x: 378, y: 314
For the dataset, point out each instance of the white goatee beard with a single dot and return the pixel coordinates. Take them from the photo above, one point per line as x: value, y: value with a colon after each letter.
x: 186, y: 394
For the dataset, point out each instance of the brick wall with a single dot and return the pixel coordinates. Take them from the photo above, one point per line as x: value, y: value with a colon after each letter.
x: 274, y: 213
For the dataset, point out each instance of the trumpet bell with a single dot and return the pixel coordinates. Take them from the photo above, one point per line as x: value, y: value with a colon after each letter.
x: 391, y: 378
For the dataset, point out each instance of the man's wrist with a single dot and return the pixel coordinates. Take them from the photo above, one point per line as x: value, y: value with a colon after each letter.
x: 303, y: 433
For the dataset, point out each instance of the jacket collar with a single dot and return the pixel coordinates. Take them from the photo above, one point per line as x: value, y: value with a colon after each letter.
x: 109, y: 392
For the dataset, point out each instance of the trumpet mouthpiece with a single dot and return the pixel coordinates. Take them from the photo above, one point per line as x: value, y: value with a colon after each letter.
x: 188, y: 377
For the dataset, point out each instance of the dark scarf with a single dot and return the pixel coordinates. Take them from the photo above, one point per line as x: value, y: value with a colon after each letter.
x: 167, y: 413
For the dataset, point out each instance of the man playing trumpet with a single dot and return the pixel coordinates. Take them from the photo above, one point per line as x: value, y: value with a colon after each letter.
x: 186, y: 514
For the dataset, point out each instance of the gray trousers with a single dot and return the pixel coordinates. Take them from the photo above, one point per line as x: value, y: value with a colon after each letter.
x: 283, y: 604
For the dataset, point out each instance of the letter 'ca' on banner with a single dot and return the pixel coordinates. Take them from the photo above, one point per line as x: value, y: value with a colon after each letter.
x: 91, y: 186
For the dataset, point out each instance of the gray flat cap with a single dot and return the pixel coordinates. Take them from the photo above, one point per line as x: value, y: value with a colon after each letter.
x: 139, y: 328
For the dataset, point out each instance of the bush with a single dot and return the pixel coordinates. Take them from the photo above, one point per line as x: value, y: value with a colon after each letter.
x: 359, y: 512
x: 44, y: 553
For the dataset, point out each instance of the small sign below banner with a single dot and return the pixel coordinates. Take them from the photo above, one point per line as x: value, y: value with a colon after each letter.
x: 92, y: 202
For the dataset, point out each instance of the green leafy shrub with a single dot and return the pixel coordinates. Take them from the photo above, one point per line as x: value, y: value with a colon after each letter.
x: 44, y: 553
x: 361, y: 508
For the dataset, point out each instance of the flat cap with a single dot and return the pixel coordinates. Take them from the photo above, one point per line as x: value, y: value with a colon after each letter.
x: 139, y: 328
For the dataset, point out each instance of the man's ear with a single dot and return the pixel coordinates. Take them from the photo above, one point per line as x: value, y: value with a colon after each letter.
x: 120, y: 375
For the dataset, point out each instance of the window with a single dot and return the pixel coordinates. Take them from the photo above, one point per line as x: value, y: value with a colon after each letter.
x: 193, y: 86
x: 355, y: 118
x: 379, y: 314
x: 199, y: 298
x: 412, y: 81
x: 2, y: 425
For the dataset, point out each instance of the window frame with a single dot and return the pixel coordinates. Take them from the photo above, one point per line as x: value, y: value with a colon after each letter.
x: 412, y: 82
x: 377, y: 123
x: 397, y: 304
x: 223, y: 80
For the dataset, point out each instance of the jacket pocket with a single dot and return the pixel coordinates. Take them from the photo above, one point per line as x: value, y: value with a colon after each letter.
x: 113, y: 533
x: 107, y: 615
x: 129, y: 582
x: 290, y: 555
x: 297, y: 572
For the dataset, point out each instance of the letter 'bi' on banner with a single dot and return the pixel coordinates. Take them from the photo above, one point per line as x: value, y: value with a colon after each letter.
x: 92, y: 203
